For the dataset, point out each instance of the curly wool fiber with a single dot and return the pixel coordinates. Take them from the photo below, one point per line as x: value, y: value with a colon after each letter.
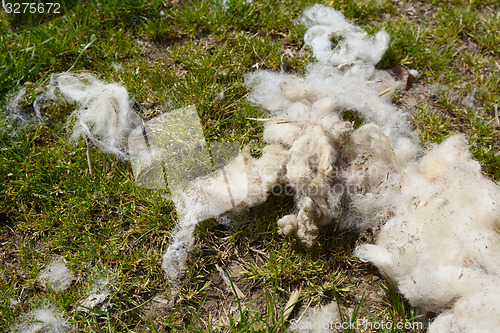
x: 440, y: 217
x: 338, y: 174
x: 442, y: 246
x: 103, y: 112
x: 56, y: 275
x: 354, y: 44
x: 43, y: 319
x: 14, y: 118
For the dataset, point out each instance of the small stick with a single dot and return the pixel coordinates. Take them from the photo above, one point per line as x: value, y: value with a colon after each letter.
x: 89, y: 160
x: 234, y: 289
x: 279, y: 120
x: 385, y: 91
x: 267, y: 119
x: 496, y: 116
x: 290, y: 121
x: 303, y: 313
x: 291, y: 303
x: 228, y: 188
x: 394, y: 158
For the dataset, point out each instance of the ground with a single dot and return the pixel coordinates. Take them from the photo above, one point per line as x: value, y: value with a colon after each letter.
x: 172, y: 54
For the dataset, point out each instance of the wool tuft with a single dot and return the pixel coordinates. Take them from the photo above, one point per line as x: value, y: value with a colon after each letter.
x: 43, y: 319
x: 56, y: 275
x: 15, y: 117
x: 103, y: 113
x: 354, y: 45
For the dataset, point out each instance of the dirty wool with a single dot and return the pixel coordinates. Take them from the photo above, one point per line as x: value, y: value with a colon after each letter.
x: 436, y: 216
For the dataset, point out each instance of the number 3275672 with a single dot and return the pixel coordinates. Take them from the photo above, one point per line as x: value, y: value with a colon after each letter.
x: 31, y: 7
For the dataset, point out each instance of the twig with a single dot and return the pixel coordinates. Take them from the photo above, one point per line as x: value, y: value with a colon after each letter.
x: 394, y: 158
x: 234, y: 289
x: 291, y: 303
x: 278, y: 120
x: 304, y: 312
x: 228, y: 188
x: 290, y: 121
x: 496, y: 116
x: 385, y: 91
x: 89, y: 160
x: 267, y: 119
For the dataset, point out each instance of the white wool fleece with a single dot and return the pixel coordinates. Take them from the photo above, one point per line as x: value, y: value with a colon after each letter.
x: 439, y: 239
x: 103, y: 112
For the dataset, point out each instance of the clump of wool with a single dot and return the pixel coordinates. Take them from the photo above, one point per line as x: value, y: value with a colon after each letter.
x: 56, y: 275
x: 103, y: 113
x: 43, y: 319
